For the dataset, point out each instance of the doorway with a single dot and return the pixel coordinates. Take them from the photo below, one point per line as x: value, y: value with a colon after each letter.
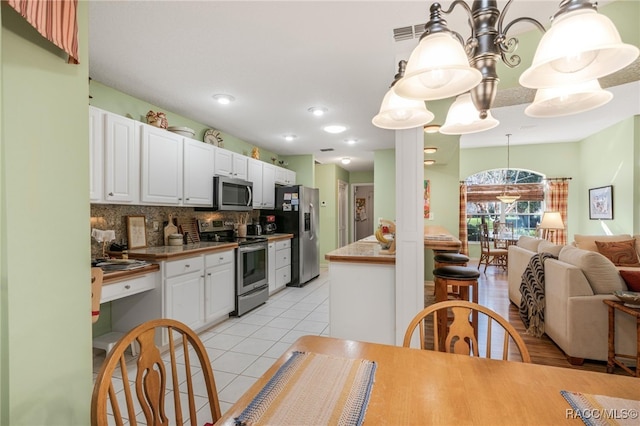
x: 343, y: 214
x: 363, y: 218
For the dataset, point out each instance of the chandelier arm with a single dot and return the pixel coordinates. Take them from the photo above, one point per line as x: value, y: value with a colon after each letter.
x: 472, y: 42
x: 507, y: 46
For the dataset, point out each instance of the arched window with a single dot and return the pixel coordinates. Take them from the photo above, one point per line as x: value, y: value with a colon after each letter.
x: 524, y: 214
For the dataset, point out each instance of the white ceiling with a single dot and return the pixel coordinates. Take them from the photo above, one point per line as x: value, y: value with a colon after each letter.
x: 280, y: 58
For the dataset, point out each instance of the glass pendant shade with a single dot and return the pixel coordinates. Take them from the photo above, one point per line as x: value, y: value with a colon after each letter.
x: 438, y: 68
x: 464, y: 118
x: 397, y: 113
x: 581, y: 45
x: 567, y: 100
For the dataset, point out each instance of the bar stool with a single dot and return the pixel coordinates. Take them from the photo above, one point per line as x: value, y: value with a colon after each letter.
x: 462, y: 278
x: 450, y: 259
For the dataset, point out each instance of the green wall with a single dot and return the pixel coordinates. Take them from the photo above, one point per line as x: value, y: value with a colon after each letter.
x: 327, y: 176
x: 361, y: 177
x: 384, y: 181
x: 45, y: 330
x: 120, y: 103
x: 304, y: 167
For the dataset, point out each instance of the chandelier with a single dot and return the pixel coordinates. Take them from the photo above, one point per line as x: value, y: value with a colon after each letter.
x: 580, y: 46
x: 507, y: 197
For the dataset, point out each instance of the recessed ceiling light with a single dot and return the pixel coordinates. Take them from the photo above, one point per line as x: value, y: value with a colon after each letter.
x: 432, y: 128
x: 430, y: 150
x: 224, y: 99
x: 429, y: 162
x: 289, y: 138
x: 351, y: 141
x: 318, y: 111
x: 334, y: 128
x: 346, y: 160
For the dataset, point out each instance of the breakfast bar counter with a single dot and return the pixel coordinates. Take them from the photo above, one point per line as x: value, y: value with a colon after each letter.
x: 361, y: 252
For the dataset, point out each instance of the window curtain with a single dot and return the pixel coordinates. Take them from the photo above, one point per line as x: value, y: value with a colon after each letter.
x: 55, y: 20
x: 557, y: 196
x: 462, y: 224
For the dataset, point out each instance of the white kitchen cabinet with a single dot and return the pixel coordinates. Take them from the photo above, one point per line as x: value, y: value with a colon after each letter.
x: 184, y: 290
x: 161, y: 166
x: 121, y: 159
x: 231, y: 164
x: 283, y: 263
x: 219, y: 287
x: 271, y: 266
x: 96, y: 154
x: 198, y: 173
x: 263, y: 177
x: 284, y: 176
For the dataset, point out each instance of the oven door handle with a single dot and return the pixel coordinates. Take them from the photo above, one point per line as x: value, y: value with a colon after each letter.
x: 252, y: 247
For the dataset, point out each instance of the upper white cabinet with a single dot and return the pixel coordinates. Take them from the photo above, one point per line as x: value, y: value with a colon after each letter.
x: 285, y: 176
x: 161, y: 167
x: 198, y: 173
x: 121, y: 159
x: 96, y: 154
x: 231, y: 164
x: 263, y: 177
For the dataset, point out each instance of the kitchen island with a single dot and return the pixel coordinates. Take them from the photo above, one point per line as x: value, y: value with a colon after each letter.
x: 362, y: 293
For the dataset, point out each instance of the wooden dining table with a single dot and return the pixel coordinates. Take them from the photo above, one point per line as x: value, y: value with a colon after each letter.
x: 413, y: 386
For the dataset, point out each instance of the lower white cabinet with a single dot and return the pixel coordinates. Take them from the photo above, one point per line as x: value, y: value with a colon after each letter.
x: 219, y: 287
x: 184, y: 289
x: 279, y: 265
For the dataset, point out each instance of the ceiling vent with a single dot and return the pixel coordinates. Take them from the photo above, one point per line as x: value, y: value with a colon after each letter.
x: 408, y: 33
x: 326, y: 149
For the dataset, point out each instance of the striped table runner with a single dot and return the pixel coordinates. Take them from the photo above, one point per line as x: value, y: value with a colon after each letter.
x: 313, y: 389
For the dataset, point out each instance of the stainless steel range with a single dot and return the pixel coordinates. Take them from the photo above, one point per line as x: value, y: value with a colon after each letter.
x: 252, y: 287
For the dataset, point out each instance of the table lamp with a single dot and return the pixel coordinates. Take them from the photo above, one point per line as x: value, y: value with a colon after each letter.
x: 549, y: 223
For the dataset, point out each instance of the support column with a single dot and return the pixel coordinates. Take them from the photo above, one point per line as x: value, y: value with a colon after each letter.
x: 409, y: 228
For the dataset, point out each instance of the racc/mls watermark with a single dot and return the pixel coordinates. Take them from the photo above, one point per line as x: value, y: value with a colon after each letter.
x: 602, y: 414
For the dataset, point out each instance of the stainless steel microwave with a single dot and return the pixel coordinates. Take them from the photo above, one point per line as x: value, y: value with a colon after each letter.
x: 232, y: 194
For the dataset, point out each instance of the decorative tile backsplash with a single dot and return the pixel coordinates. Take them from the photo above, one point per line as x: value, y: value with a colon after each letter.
x: 114, y: 217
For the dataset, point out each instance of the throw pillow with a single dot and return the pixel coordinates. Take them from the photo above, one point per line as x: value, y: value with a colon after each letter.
x: 602, y: 275
x: 621, y: 253
x: 588, y: 242
x: 548, y: 247
x: 632, y: 278
x: 529, y: 243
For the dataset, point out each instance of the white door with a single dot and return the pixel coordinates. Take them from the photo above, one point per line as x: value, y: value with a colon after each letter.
x: 198, y: 173
x: 161, y: 166
x: 363, y: 216
x: 343, y: 214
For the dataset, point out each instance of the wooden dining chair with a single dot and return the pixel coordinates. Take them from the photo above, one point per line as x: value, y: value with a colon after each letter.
x: 490, y: 255
x: 150, y: 382
x: 96, y: 292
x: 461, y: 336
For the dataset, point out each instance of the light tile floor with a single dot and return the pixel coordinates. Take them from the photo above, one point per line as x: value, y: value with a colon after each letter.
x: 242, y: 349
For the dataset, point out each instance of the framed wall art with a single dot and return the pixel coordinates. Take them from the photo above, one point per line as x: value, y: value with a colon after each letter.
x: 136, y: 232
x: 601, y: 202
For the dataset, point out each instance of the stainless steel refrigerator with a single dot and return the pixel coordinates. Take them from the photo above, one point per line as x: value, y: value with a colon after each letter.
x: 297, y: 213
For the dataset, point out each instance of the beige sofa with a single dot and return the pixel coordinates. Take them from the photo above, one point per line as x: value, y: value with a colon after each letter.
x: 576, y: 319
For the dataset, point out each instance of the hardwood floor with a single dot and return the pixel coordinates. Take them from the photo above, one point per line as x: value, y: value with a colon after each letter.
x: 493, y: 293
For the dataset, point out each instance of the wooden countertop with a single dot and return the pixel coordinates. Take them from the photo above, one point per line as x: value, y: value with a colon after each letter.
x: 360, y: 252
x: 277, y: 237
x: 115, y: 276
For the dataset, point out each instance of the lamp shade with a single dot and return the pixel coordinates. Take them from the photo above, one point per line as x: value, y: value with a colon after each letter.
x: 464, y: 118
x: 438, y: 68
x: 581, y: 45
x: 398, y: 113
x: 568, y: 100
x: 551, y: 220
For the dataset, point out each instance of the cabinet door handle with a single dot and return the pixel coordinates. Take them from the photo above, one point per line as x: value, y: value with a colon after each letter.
x: 221, y: 258
x: 209, y: 274
x: 187, y: 266
x: 127, y: 287
x: 111, y: 194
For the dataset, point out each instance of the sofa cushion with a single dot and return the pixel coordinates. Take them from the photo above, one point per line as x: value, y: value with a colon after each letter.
x: 602, y: 275
x: 548, y: 247
x: 588, y: 242
x: 621, y: 253
x: 632, y: 278
x: 529, y: 243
